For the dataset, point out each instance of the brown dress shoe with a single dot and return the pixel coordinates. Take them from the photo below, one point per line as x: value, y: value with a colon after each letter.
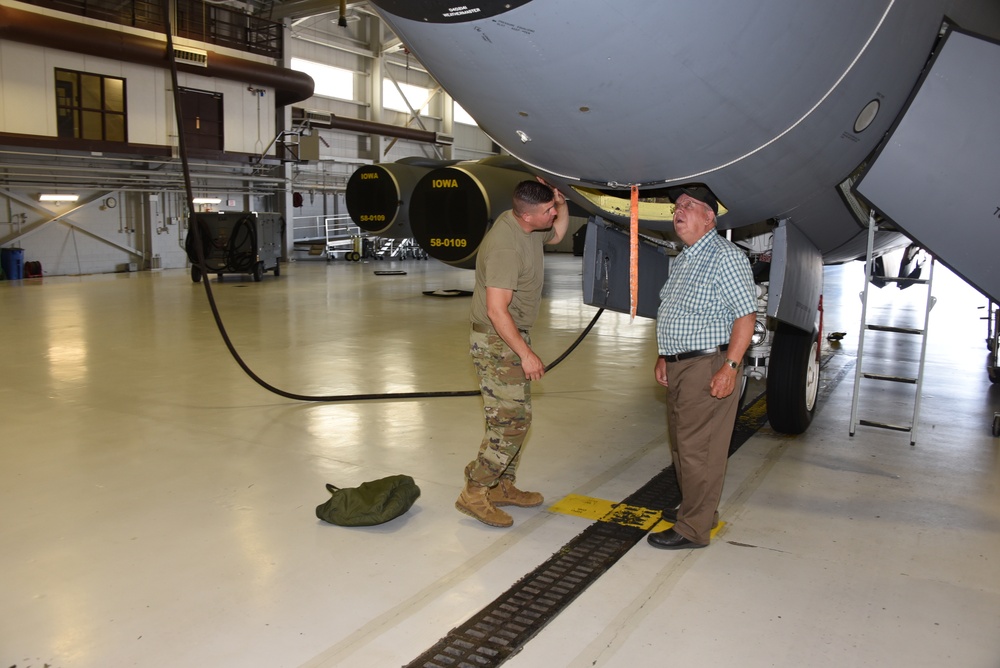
x: 505, y: 494
x: 474, y: 501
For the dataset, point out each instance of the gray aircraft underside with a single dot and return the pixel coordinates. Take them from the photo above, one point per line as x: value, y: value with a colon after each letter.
x: 776, y: 105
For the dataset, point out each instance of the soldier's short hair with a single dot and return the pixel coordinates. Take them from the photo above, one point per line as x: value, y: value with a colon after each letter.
x: 529, y: 193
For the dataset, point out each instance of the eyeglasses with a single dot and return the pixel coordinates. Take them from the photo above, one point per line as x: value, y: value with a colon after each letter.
x: 688, y: 204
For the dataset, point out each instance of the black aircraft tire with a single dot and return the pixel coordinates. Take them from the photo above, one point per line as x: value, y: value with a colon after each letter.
x: 195, y: 273
x: 792, y: 379
x: 991, y: 369
x: 258, y: 272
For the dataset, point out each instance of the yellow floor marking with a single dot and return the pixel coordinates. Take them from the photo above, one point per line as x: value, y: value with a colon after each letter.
x: 664, y: 525
x: 582, y: 506
x: 591, y: 508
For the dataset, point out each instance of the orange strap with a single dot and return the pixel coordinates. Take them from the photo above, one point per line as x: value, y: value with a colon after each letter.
x: 633, y: 266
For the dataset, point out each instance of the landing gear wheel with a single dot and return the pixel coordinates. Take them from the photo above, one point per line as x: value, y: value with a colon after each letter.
x: 996, y: 424
x: 258, y: 272
x: 991, y: 369
x: 792, y: 379
x: 195, y: 273
x: 277, y: 269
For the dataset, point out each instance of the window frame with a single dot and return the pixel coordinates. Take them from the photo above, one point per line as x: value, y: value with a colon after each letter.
x: 74, y: 114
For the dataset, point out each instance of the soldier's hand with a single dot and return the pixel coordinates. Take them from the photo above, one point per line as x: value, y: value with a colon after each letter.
x: 532, y: 366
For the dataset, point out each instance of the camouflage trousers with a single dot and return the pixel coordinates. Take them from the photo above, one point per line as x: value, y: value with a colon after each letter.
x: 507, y: 407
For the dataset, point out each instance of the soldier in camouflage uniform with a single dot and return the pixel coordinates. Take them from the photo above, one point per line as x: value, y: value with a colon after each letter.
x: 505, y: 302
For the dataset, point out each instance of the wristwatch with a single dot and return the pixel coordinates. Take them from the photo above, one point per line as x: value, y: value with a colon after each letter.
x: 732, y: 364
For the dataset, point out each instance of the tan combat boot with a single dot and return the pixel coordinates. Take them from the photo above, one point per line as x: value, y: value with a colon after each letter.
x: 505, y: 494
x: 474, y: 502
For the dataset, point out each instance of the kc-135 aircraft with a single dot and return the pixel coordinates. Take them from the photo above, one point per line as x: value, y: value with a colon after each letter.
x: 807, y: 120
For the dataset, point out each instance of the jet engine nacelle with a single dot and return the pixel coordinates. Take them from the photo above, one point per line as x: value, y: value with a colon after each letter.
x: 378, y: 196
x: 452, y: 208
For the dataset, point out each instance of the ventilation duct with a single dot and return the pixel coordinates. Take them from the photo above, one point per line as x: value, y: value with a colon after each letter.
x: 190, y: 56
x: 322, y: 117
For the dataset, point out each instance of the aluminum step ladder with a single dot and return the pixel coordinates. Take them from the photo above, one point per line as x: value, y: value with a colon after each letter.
x: 859, y: 371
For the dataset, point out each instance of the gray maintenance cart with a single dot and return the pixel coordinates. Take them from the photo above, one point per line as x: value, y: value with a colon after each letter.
x: 236, y: 242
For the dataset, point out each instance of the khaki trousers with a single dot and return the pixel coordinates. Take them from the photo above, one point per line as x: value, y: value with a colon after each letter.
x: 700, y: 428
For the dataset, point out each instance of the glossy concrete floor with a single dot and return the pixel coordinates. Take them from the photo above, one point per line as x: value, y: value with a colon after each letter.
x: 158, y: 506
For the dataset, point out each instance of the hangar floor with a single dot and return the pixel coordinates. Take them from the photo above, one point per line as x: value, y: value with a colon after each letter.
x: 158, y: 506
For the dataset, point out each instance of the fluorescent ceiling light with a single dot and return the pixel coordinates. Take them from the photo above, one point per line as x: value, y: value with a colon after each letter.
x: 58, y: 198
x: 206, y: 200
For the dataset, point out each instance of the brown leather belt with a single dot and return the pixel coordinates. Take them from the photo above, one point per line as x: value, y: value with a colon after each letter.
x: 696, y: 353
x: 483, y: 329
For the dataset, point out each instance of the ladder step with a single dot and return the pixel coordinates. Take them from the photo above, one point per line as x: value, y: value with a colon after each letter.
x: 904, y: 279
x: 884, y: 425
x: 898, y: 330
x: 893, y: 379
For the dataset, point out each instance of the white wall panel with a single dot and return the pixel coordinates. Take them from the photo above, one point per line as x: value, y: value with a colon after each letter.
x: 24, y: 100
x: 28, y: 101
x: 147, y: 87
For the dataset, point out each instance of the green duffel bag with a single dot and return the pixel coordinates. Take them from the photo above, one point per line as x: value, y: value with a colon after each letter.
x: 372, y: 502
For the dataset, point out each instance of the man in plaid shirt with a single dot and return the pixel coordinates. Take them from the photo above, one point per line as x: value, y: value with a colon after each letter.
x: 707, y: 311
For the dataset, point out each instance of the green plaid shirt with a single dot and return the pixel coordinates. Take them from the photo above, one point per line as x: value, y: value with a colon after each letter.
x: 710, y: 286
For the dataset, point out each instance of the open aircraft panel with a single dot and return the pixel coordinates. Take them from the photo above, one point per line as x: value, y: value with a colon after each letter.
x: 936, y: 177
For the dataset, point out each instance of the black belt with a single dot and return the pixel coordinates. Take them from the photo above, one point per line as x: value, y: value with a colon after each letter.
x: 484, y: 329
x: 696, y: 353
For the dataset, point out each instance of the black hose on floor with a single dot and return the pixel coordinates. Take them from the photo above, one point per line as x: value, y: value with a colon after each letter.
x: 199, y: 250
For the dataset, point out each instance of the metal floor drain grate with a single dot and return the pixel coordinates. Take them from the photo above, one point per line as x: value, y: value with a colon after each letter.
x: 502, y: 628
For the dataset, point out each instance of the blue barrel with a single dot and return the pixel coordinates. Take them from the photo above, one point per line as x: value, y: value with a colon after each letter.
x: 12, y: 261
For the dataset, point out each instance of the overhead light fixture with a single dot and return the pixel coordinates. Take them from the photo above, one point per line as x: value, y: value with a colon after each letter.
x: 58, y: 198
x: 207, y: 200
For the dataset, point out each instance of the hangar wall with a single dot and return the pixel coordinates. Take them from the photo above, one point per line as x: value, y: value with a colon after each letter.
x: 145, y: 227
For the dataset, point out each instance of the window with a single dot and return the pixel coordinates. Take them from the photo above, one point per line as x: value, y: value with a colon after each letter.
x: 330, y: 81
x: 462, y: 116
x: 90, y: 106
x: 418, y: 97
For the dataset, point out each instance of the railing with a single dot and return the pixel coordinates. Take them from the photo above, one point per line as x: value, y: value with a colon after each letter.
x: 195, y: 19
x: 341, y: 228
x: 218, y: 25
x: 307, y: 229
x: 136, y: 13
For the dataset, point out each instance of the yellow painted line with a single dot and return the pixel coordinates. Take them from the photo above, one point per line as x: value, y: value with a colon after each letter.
x: 602, y: 510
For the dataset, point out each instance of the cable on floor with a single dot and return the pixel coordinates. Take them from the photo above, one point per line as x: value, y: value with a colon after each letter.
x: 200, y: 252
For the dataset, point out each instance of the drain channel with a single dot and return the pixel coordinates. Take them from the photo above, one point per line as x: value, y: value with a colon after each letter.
x: 501, y: 629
